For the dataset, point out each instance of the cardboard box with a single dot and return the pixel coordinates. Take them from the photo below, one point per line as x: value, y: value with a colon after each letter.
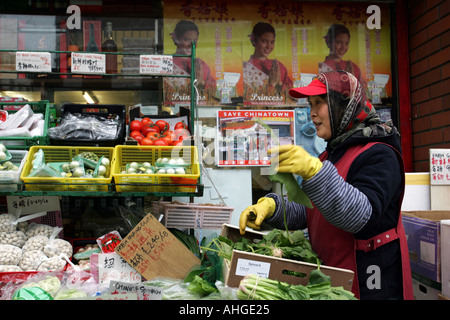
x: 274, y: 268
x: 423, y: 234
x: 445, y: 257
x: 417, y: 192
x: 424, y: 289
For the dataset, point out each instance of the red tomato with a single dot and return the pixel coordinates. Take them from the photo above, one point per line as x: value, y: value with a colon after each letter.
x: 153, y: 135
x: 138, y: 138
x: 170, y: 134
x: 181, y: 133
x: 135, y: 133
x: 181, y: 125
x: 146, y: 142
x: 163, y: 125
x: 135, y: 125
x: 150, y: 128
x: 160, y: 142
x: 146, y: 121
x: 167, y: 139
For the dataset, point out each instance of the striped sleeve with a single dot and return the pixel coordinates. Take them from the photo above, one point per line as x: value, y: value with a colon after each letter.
x: 295, y: 214
x: 340, y: 203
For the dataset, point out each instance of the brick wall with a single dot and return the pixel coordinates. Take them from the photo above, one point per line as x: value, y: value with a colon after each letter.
x: 429, y: 45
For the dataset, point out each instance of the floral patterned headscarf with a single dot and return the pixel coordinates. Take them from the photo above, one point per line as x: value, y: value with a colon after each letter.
x: 349, y: 109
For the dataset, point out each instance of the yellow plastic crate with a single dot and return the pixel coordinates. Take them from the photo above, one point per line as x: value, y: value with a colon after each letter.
x: 125, y: 154
x: 65, y: 154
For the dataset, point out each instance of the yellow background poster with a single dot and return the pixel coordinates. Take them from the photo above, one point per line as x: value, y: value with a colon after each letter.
x: 226, y: 45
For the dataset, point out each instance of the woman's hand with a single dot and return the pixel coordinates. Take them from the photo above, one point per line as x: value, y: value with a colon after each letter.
x: 255, y: 214
x: 296, y: 160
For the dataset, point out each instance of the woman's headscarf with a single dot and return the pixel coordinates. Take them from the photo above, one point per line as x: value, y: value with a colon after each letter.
x: 349, y: 109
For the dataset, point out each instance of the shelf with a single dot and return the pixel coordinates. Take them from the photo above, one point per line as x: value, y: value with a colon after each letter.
x: 21, y: 192
x: 111, y: 83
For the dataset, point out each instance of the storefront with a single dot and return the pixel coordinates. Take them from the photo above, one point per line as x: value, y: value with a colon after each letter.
x: 110, y: 65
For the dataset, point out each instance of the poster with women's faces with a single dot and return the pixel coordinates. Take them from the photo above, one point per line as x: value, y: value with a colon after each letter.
x: 251, y: 53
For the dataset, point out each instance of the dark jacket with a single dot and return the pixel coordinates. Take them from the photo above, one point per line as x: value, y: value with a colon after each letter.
x: 377, y: 174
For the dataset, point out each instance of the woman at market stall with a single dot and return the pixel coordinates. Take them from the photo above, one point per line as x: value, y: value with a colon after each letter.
x: 356, y: 187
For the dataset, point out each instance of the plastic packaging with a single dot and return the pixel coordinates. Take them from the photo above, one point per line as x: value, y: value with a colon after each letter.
x: 37, y: 229
x: 31, y: 260
x: 10, y: 255
x: 109, y: 241
x: 9, y: 268
x: 55, y: 247
x: 35, y: 243
x: 15, y: 238
x: 55, y: 263
x: 80, y: 126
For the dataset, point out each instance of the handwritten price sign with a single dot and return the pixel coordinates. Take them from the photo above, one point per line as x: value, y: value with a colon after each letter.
x: 111, y: 266
x: 155, y: 64
x: 154, y: 251
x: 440, y: 166
x: 34, y: 61
x: 93, y: 63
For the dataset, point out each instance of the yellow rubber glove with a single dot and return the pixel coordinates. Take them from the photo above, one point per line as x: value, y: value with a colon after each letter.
x: 295, y: 159
x: 255, y: 214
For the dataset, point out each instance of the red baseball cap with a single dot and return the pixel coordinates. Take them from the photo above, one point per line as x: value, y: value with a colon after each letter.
x: 315, y: 88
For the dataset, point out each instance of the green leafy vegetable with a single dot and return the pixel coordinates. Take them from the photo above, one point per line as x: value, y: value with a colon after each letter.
x: 319, y: 287
x: 294, y: 191
x: 276, y: 243
x: 201, y: 287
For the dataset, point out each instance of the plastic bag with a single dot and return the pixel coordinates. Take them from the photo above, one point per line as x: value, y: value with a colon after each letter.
x: 55, y: 247
x: 10, y: 255
x: 109, y: 241
x: 35, y: 243
x: 55, y: 263
x: 9, y: 221
x: 86, y: 252
x: 85, y: 127
x: 15, y: 120
x: 9, y: 268
x: 38, y: 229
x: 31, y: 260
x: 15, y: 238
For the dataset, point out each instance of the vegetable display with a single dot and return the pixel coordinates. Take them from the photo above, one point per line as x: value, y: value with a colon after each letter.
x: 83, y: 165
x: 161, y: 166
x: 277, y: 243
x: 149, y: 133
x: 319, y: 287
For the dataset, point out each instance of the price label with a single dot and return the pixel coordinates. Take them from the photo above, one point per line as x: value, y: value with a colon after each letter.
x: 111, y: 266
x: 144, y: 292
x: 440, y: 166
x: 34, y: 61
x: 245, y: 266
x: 32, y: 204
x: 155, y: 64
x: 93, y: 63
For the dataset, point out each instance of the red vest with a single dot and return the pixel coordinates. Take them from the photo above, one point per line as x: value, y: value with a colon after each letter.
x: 337, y: 248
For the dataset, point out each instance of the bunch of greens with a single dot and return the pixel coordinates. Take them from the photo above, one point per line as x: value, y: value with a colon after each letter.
x: 319, y: 287
x: 276, y: 243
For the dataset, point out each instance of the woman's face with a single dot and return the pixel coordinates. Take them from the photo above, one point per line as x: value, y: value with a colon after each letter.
x: 320, y: 117
x: 184, y: 42
x: 264, y: 45
x: 340, y: 45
